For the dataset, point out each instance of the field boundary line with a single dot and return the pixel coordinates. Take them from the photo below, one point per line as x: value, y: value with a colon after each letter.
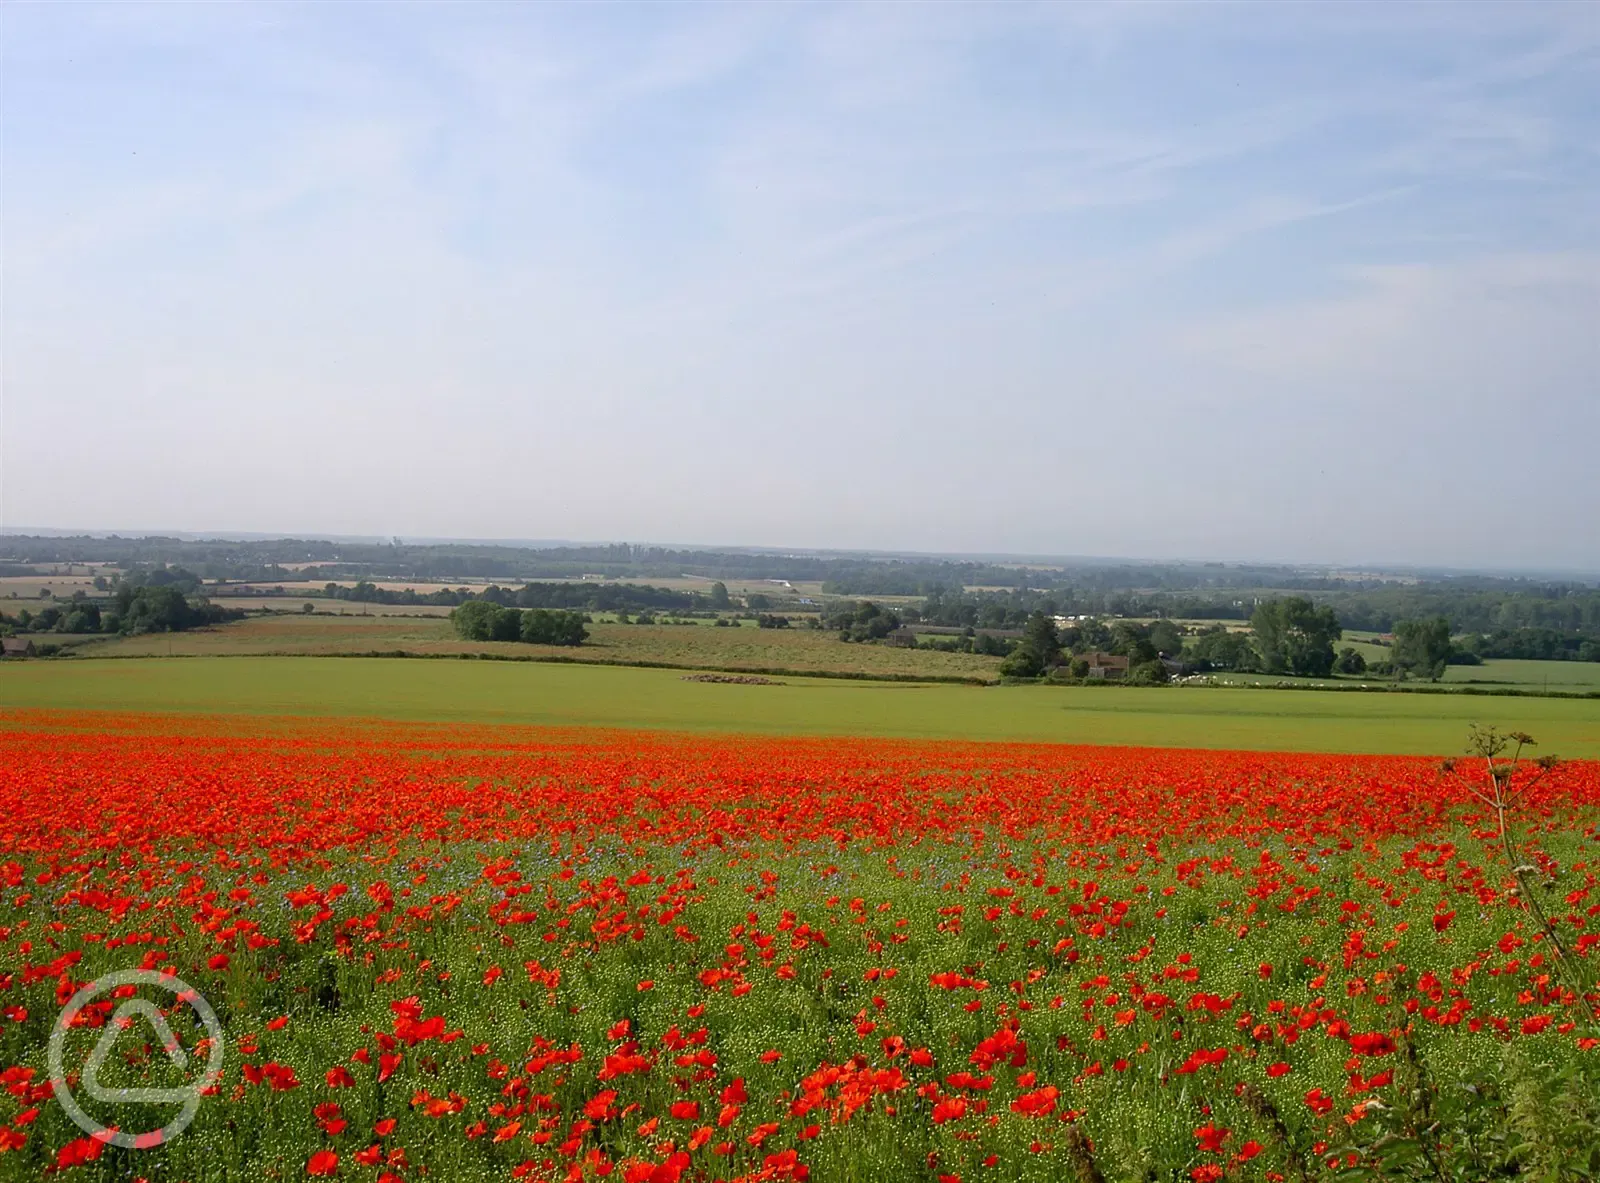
x: 1466, y: 690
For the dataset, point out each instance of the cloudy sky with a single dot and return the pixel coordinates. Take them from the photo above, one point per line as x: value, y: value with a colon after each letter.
x: 1257, y: 281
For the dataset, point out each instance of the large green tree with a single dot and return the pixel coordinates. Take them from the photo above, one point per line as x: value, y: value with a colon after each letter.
x: 158, y: 608
x: 1421, y: 648
x: 1166, y: 637
x: 1220, y: 649
x: 545, y: 626
x: 474, y: 620
x: 506, y: 625
x: 1039, y: 649
x: 1295, y: 636
x: 481, y: 620
x: 1349, y: 661
x: 1132, y: 640
x: 866, y: 621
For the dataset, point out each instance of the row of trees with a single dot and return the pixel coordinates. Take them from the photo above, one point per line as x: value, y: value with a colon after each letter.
x: 572, y: 597
x: 1040, y: 649
x: 160, y: 575
x: 1474, y: 606
x: 1569, y: 612
x: 159, y: 608
x: 596, y: 597
x: 1295, y: 636
x: 1533, y: 644
x: 481, y: 620
x: 1291, y: 635
x: 865, y: 621
x: 367, y: 592
x: 1046, y: 649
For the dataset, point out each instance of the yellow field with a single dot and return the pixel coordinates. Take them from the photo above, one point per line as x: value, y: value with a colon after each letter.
x: 291, y: 604
x: 298, y: 586
x: 291, y: 634
x: 28, y: 587
x: 698, y: 583
x: 737, y: 587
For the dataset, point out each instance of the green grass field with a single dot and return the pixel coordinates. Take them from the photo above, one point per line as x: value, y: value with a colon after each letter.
x: 1529, y: 677
x: 693, y: 646
x: 1365, y: 644
x: 526, y: 693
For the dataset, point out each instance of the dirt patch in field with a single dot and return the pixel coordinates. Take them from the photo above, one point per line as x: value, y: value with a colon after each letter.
x: 735, y: 679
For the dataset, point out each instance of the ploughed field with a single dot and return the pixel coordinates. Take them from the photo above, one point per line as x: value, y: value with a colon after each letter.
x: 467, y: 952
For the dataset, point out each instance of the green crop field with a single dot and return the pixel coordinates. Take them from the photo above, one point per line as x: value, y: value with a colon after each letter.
x: 291, y: 633
x: 1365, y: 644
x: 1508, y: 672
x: 1529, y: 677
x: 527, y: 693
x: 691, y: 645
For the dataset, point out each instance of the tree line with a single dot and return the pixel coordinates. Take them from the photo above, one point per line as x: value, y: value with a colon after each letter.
x: 1222, y: 591
x: 1295, y: 636
x: 1534, y: 644
x: 1045, y: 650
x: 130, y: 609
x: 1291, y: 635
x: 580, y: 597
x: 483, y: 620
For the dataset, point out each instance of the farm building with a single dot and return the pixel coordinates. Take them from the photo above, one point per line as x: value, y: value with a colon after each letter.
x: 16, y: 647
x: 1105, y: 665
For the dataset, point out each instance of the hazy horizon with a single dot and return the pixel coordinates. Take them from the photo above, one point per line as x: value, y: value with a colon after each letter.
x: 1582, y: 574
x: 1317, y: 283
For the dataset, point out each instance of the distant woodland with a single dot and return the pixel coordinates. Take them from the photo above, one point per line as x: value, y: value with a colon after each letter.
x: 1288, y: 619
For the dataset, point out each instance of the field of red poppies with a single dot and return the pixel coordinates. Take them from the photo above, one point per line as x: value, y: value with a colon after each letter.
x: 457, y: 953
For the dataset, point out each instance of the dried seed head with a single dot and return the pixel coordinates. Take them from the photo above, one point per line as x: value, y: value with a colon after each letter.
x: 1081, y: 1155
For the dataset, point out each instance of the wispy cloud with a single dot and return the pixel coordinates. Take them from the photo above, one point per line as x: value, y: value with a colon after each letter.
x: 631, y: 236
x: 1513, y: 332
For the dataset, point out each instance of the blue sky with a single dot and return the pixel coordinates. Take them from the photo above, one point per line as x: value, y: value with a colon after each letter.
x: 1293, y: 282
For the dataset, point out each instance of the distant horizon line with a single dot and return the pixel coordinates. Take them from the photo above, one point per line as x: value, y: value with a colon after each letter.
x: 1374, y: 567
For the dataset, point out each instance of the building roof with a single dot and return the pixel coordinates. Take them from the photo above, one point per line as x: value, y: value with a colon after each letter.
x: 1109, y: 661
